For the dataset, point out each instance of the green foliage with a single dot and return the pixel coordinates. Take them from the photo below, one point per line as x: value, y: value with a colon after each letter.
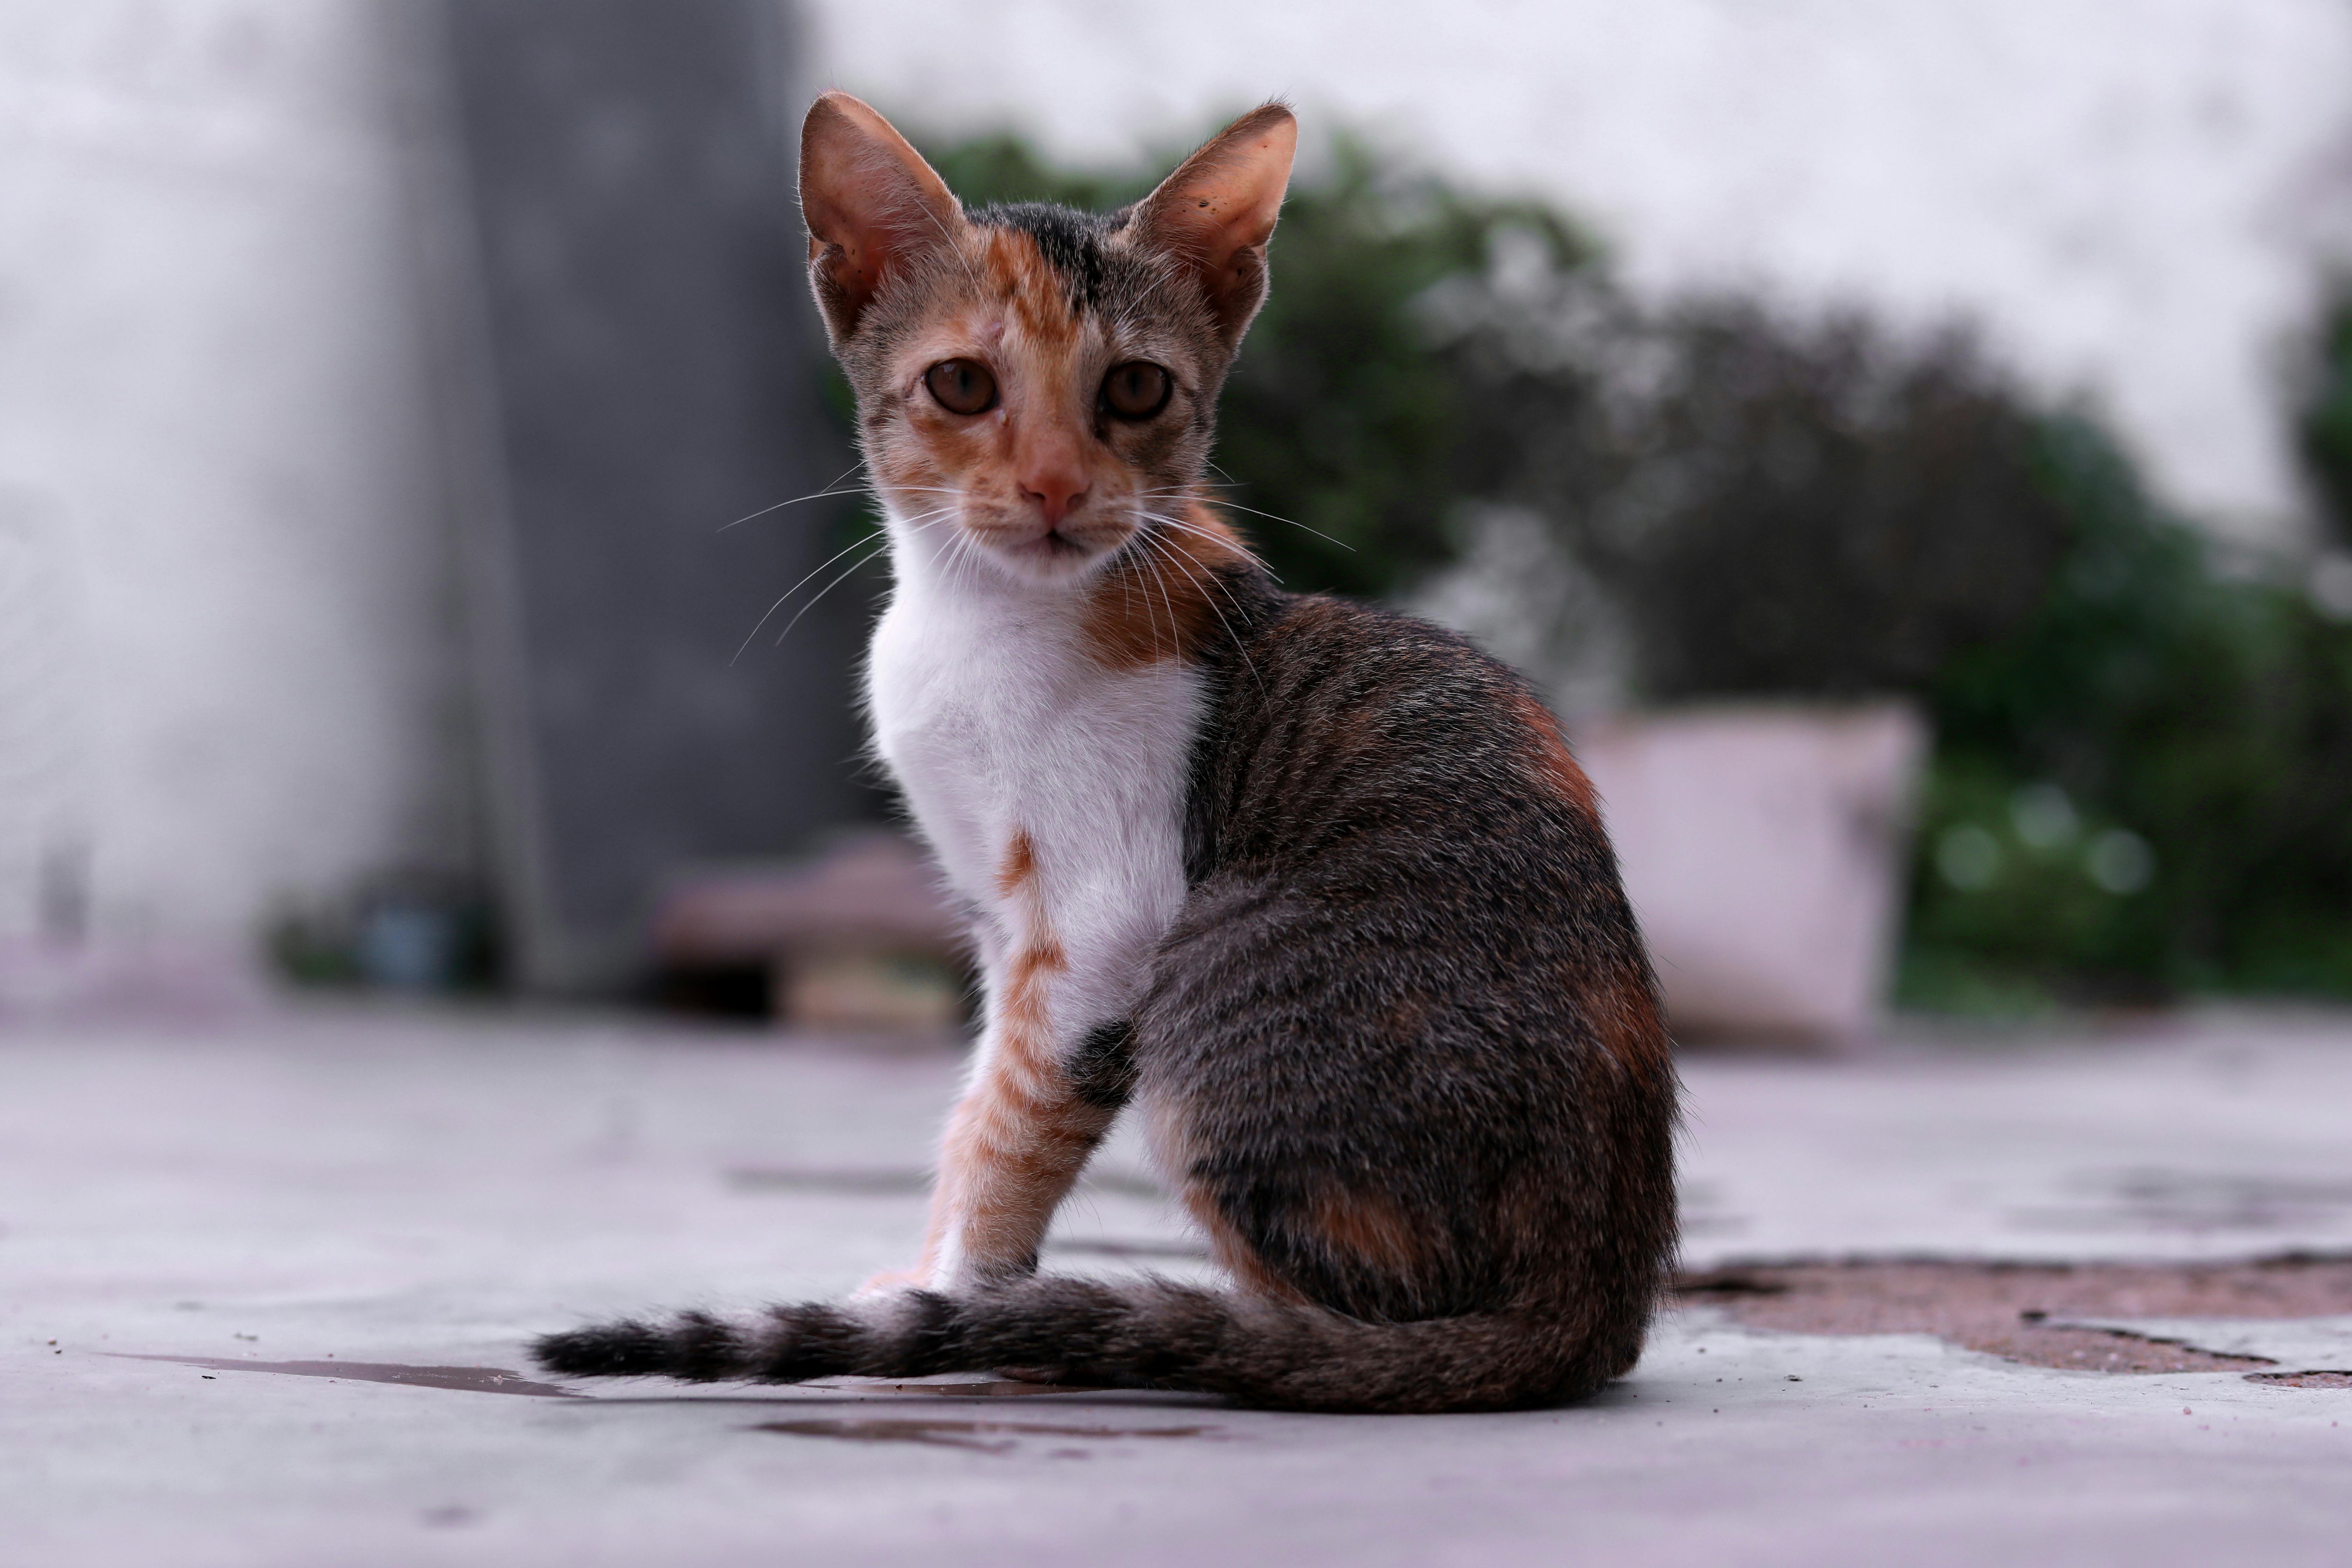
x: 2208, y: 714
x: 984, y: 170
x: 1785, y: 508
x: 2211, y: 715
x: 2327, y: 424
x: 2142, y: 783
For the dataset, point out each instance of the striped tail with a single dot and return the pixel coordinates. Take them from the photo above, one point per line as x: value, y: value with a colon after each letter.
x: 1271, y: 1354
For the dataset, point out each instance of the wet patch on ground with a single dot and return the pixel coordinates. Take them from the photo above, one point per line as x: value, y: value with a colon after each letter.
x: 2021, y: 1311
x: 985, y: 1436
x: 466, y: 1379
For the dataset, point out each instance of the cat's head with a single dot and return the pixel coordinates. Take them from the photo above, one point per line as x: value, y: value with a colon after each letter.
x: 1037, y: 383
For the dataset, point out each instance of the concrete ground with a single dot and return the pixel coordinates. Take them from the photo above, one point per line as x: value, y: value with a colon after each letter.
x: 264, y: 1288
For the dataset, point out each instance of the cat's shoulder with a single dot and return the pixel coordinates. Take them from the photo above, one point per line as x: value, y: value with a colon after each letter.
x: 1330, y: 632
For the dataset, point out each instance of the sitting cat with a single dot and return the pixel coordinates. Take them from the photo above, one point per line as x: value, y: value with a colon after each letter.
x: 1316, y: 887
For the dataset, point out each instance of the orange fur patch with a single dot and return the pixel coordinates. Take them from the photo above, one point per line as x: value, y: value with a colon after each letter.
x: 1624, y: 1017
x: 1161, y: 600
x: 1020, y: 864
x: 1018, y: 1139
x: 1024, y: 1013
x: 1233, y: 1255
x: 1620, y: 1008
x: 1019, y: 274
x: 1554, y: 763
x: 1362, y: 1227
x: 1013, y: 1151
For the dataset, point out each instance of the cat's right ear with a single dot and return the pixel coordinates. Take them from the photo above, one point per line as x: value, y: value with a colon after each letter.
x: 872, y: 206
x: 1217, y: 211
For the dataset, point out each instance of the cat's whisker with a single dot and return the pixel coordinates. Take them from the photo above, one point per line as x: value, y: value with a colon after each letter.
x: 857, y: 543
x: 785, y: 597
x: 1208, y: 596
x: 1127, y: 600
x: 1137, y: 572
x: 834, y: 490
x: 1215, y: 583
x: 1175, y: 622
x: 963, y: 559
x: 1180, y: 525
x: 813, y: 495
x: 1294, y: 523
x: 828, y: 489
x: 854, y: 567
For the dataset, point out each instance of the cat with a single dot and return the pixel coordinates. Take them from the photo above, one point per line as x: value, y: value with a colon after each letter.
x: 1317, y: 886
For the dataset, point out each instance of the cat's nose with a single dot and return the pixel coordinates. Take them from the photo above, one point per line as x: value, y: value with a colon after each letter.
x: 1056, y: 490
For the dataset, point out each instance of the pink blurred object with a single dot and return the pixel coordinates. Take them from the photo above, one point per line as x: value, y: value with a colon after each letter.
x: 836, y: 931
x: 873, y: 890
x: 1765, y: 850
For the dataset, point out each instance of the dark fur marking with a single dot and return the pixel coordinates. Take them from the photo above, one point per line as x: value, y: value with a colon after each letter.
x: 626, y: 1349
x: 808, y: 1342
x: 1102, y: 1070
x: 703, y: 1349
x: 1070, y: 241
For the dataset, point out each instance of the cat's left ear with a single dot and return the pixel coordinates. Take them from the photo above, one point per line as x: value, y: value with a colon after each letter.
x: 873, y: 208
x: 1216, y: 212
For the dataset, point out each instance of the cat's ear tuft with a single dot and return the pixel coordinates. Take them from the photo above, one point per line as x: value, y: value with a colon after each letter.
x: 872, y: 206
x: 1216, y: 212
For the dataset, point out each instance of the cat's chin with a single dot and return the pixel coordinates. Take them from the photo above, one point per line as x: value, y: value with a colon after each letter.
x: 1052, y: 558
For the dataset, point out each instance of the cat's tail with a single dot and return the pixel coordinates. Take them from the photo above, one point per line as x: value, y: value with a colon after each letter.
x: 1273, y: 1355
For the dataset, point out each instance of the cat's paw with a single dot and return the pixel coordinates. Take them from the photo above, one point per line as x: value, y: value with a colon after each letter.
x: 891, y: 1282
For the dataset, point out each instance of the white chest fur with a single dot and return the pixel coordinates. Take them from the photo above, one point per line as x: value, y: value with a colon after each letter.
x: 997, y: 721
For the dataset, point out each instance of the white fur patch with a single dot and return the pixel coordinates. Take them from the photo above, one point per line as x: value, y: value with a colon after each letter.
x: 996, y: 720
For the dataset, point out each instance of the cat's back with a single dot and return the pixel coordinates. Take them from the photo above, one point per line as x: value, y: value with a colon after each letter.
x: 1346, y: 738
x: 1387, y: 822
x: 1407, y: 974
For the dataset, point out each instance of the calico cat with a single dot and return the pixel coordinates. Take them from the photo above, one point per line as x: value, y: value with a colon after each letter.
x: 1316, y: 887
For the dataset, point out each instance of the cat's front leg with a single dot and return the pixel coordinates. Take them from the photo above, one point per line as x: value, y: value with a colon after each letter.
x: 1014, y: 1146
x: 1050, y: 1076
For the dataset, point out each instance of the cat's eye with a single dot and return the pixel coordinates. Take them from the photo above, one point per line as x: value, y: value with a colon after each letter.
x: 1136, y: 390
x: 962, y: 385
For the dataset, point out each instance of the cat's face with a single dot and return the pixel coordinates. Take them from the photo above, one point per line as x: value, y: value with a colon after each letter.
x: 1035, y: 387
x: 1045, y: 421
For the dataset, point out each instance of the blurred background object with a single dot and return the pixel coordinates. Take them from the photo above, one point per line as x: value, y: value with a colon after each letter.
x: 649, y: 378
x: 382, y: 382
x: 853, y: 936
x: 1765, y: 848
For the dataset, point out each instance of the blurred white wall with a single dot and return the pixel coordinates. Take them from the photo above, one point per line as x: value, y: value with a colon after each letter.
x: 2128, y: 194
x: 228, y: 663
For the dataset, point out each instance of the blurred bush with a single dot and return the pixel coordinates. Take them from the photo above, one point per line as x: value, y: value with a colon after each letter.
x: 2161, y: 757
x: 2142, y: 784
x: 1821, y: 511
x: 2326, y: 423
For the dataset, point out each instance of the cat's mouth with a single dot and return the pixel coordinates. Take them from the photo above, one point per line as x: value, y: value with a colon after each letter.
x: 1056, y: 553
